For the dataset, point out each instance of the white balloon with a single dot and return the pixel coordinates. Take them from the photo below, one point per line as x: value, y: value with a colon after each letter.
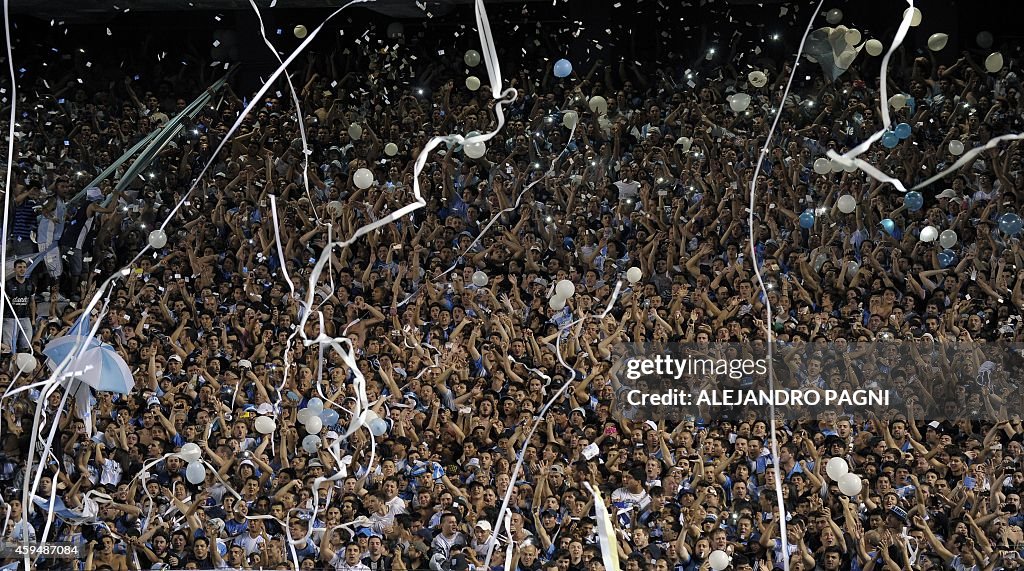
x: 915, y: 19
x: 190, y: 452
x: 195, y: 473
x: 570, y: 118
x: 929, y: 234
x: 846, y: 203
x: 311, y: 443
x: 355, y: 131
x: 157, y: 239
x: 472, y: 83
x: 363, y: 178
x: 598, y: 105
x: 822, y: 165
x: 835, y: 166
x: 837, y: 467
x: 479, y: 278
x: 472, y: 58
x: 390, y: 149
x: 685, y: 143
x: 316, y: 405
x: 314, y: 425
x: 994, y: 62
x: 937, y: 41
x: 264, y: 425
x: 850, y: 484
x: 984, y: 39
x: 556, y: 303
x: 834, y: 16
x: 739, y: 102
x: 853, y: 37
x: 304, y: 415
x: 757, y: 78
x: 565, y: 288
x: 474, y: 150
x: 898, y: 101
x: 874, y: 48
x: 947, y: 239
x: 634, y: 275
x: 26, y: 362
x: 334, y: 207
x: 719, y: 560
x: 956, y: 148
x: 845, y: 59
x: 300, y: 31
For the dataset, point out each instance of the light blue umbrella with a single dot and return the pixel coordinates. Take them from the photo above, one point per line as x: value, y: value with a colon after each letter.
x: 58, y: 349
x: 104, y: 370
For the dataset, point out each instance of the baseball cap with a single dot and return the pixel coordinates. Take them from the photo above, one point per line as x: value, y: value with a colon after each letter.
x: 484, y: 525
x: 948, y: 193
x: 174, y: 358
x: 314, y: 463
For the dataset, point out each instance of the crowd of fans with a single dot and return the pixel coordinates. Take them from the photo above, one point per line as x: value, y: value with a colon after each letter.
x: 460, y: 372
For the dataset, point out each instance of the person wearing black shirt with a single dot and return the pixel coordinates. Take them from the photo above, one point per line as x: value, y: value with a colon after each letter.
x: 17, y: 332
x: 377, y: 560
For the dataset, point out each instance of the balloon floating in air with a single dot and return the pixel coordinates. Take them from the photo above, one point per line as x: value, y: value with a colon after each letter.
x: 195, y: 473
x: 888, y: 225
x: 929, y: 234
x: 850, y: 484
x: 984, y: 39
x: 570, y: 118
x: 890, y: 140
x: 390, y: 149
x: 719, y: 560
x: 902, y: 131
x: 913, y: 200
x: 994, y: 62
x: 472, y: 58
x: 757, y: 78
x: 846, y: 203
x: 634, y: 275
x: 472, y: 83
x: 479, y: 278
x: 26, y: 362
x: 157, y: 239
x: 475, y: 150
x: 598, y: 105
x: 807, y: 219
x: 1010, y: 223
x: 834, y: 16
x: 300, y: 31
x: 937, y: 41
x: 946, y: 258
x: 264, y: 425
x: 947, y: 239
x: 956, y: 148
x: 837, y: 467
x: 822, y: 165
x: 378, y: 426
x: 874, y: 48
x: 355, y: 131
x: 562, y: 68
x: 739, y: 102
x: 915, y: 18
x: 363, y: 178
x: 556, y: 303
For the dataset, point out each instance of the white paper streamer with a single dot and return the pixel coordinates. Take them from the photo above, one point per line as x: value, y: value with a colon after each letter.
x: 605, y: 530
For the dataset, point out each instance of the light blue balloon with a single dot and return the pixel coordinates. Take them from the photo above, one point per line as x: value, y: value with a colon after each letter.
x: 913, y: 200
x: 563, y: 68
x: 902, y: 131
x: 329, y: 417
x: 890, y: 140
x: 807, y: 219
x: 378, y: 426
x: 1011, y: 223
x: 946, y: 258
x: 888, y: 225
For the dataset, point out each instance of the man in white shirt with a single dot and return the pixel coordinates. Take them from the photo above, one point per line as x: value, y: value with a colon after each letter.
x: 347, y: 560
